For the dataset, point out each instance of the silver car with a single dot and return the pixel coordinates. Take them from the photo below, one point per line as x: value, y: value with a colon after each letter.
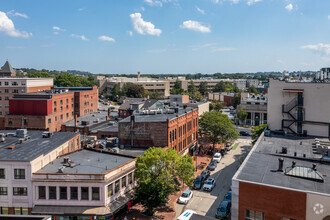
x: 209, y: 184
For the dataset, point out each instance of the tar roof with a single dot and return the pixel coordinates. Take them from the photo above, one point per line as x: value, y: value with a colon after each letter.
x: 149, y: 103
x: 32, y: 148
x: 127, y: 102
x: 262, y: 164
x: 87, y: 162
x: 89, y: 119
x: 157, y: 117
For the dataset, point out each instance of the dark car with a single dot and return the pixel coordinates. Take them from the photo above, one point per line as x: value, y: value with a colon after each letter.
x: 244, y: 133
x: 198, y: 183
x: 223, y: 151
x: 205, y: 174
x: 212, y: 165
x: 227, y: 196
x: 223, y: 209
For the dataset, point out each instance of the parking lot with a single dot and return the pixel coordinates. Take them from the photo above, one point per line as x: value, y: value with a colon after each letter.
x: 206, y: 203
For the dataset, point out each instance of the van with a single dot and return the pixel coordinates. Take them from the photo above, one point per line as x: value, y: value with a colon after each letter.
x: 186, y: 215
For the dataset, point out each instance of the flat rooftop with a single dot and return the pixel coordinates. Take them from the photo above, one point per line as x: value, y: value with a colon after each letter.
x: 32, y: 148
x: 111, y: 126
x: 89, y: 119
x: 262, y: 163
x: 87, y: 162
x: 157, y: 117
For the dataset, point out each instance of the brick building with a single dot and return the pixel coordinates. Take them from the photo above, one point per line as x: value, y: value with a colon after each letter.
x: 283, y: 178
x: 175, y: 128
x: 7, y: 70
x: 50, y: 109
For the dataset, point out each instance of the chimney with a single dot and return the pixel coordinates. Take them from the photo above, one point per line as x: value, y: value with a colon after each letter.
x: 109, y: 112
x: 280, y: 164
x: 314, y: 166
x: 75, y: 120
x: 132, y: 118
x: 293, y: 164
x: 139, y: 75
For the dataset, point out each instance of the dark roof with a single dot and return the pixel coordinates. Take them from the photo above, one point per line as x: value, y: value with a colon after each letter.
x: 200, y: 217
x: 127, y: 102
x: 32, y: 148
x: 87, y: 161
x: 157, y: 117
x: 90, y: 119
x: 149, y: 103
x: 262, y: 163
x: 7, y: 68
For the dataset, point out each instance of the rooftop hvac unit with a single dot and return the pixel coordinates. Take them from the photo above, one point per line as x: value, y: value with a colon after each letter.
x: 84, y: 122
x: 21, y: 133
x: 47, y: 134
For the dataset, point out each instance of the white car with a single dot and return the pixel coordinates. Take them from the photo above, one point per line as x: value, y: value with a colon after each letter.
x: 209, y: 184
x: 217, y: 157
x: 185, y: 197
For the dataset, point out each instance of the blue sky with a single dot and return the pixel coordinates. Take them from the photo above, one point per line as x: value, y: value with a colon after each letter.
x: 166, y: 36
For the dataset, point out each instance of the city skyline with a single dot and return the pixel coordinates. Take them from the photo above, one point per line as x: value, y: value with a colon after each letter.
x: 166, y: 36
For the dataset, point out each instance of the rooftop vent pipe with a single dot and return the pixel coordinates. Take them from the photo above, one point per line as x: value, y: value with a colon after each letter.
x: 280, y: 164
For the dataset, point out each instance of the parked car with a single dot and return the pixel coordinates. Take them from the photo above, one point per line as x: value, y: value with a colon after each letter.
x: 229, y: 146
x: 198, y: 183
x: 185, y: 197
x: 223, y: 151
x: 244, y: 133
x: 217, y: 157
x: 212, y: 165
x: 227, y: 196
x: 223, y: 209
x: 209, y: 184
x: 205, y: 174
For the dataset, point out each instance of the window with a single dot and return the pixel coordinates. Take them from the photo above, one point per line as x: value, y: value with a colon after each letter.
x: 6, y: 83
x: 95, y: 193
x: 253, y: 215
x: 4, y: 210
x: 0, y: 97
x: 61, y: 102
x: 67, y: 101
x: 117, y: 186
x: 54, y: 109
x: 14, y: 83
x: 55, y: 118
x: 71, y: 98
x: 20, y: 191
x: 3, y: 191
x: 130, y: 178
x: 2, y: 173
x: 19, y: 173
x: 123, y: 182
x: 54, y: 103
x: 61, y: 117
x: 15, y: 90
x: 49, y: 120
x: 52, y: 192
x: 23, y: 83
x: 61, y: 108
x: 84, y: 193
x: 21, y: 211
x: 6, y: 98
x: 6, y: 90
x: 63, y: 192
x: 74, y: 193
x: 67, y: 115
x: 110, y: 190
x: 6, y: 106
x: 42, y: 192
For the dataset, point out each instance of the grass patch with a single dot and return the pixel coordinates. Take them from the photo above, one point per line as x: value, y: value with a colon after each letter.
x: 235, y: 146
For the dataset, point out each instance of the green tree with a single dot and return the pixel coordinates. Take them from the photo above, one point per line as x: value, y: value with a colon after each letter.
x: 177, y: 85
x: 236, y: 89
x: 192, y: 88
x: 39, y: 74
x: 237, y: 99
x: 252, y: 89
x: 197, y: 96
x: 135, y: 91
x: 220, y: 87
x: 115, y: 93
x: 186, y: 170
x: 155, y: 95
x: 124, y: 89
x: 203, y: 88
x: 257, y: 131
x: 158, y: 172
x: 217, y: 128
x: 177, y: 91
x: 242, y: 115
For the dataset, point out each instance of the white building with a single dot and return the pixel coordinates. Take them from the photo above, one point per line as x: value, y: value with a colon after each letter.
x: 256, y: 107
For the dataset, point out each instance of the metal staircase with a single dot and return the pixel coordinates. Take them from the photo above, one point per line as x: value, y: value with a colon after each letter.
x: 297, y: 102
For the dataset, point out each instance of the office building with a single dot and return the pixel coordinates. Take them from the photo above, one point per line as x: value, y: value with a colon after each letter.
x: 256, y: 107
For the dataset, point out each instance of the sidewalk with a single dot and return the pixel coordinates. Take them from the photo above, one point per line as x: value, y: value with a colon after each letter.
x: 168, y: 212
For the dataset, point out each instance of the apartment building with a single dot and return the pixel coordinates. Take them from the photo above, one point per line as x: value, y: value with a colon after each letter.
x: 256, y: 107
x: 283, y: 177
x: 50, y: 109
x: 175, y: 128
x: 299, y: 108
x: 7, y: 70
x: 184, y: 101
x: 88, y: 184
x: 160, y: 86
x: 184, y: 83
x: 224, y: 97
x: 22, y: 153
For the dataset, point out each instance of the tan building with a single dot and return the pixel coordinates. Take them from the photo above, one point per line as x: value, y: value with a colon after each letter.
x: 256, y: 107
x: 160, y: 86
x: 300, y: 108
x: 184, y: 83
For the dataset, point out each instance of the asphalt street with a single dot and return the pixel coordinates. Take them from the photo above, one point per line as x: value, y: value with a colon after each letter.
x: 206, y: 203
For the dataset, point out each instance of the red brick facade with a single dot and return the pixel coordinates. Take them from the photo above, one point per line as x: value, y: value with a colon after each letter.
x: 275, y: 203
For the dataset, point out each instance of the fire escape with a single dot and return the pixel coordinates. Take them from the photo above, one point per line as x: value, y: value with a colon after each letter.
x: 288, y: 109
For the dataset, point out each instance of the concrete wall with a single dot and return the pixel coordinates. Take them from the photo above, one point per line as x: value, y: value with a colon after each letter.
x: 317, y: 206
x: 316, y: 105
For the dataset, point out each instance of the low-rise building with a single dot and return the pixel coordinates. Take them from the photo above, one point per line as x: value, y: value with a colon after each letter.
x: 84, y: 184
x: 175, y: 128
x: 184, y: 101
x: 299, y: 108
x: 283, y: 177
x: 223, y: 97
x: 23, y: 153
x: 256, y: 107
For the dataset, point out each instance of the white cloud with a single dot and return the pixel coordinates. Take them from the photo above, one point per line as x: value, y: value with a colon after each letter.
x: 130, y: 33
x: 322, y: 49
x: 13, y: 13
x: 289, y: 7
x: 251, y: 2
x: 55, y: 32
x: 106, y: 38
x: 56, y: 28
x: 7, y: 26
x: 196, y: 26
x: 154, y: 3
x: 200, y: 10
x: 216, y: 49
x: 47, y: 45
x: 15, y: 47
x: 82, y: 37
x: 143, y: 9
x: 328, y: 17
x: 143, y: 27
x: 81, y: 9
